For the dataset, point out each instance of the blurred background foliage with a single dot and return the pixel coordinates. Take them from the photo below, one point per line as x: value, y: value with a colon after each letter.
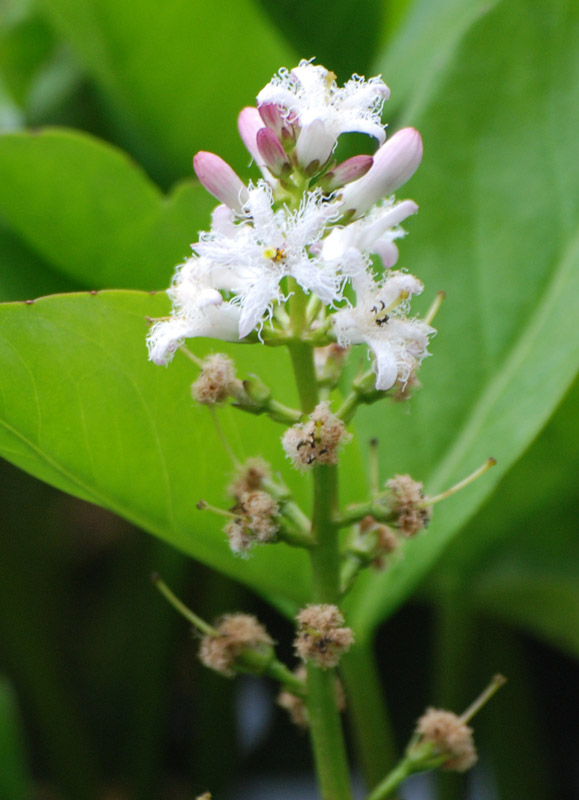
x: 102, y: 696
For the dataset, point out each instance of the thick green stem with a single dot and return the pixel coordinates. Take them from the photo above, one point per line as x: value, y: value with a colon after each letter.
x: 373, y: 735
x: 325, y: 724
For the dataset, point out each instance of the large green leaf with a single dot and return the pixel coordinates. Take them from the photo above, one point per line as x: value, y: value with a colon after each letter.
x: 417, y: 58
x: 499, y: 231
x: 23, y: 275
x: 518, y: 559
x: 15, y: 782
x: 177, y: 73
x: 83, y: 409
x: 92, y: 213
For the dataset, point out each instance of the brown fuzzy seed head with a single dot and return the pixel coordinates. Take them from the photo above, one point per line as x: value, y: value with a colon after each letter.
x: 215, y: 381
x: 408, y: 497
x: 240, y: 539
x: 321, y: 637
x: 385, y: 540
x: 256, y: 521
x: 250, y: 478
x: 296, y: 706
x: 452, y: 737
x: 235, y: 633
x: 316, y: 441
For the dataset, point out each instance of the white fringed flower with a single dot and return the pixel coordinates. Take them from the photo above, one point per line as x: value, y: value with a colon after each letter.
x: 351, y: 244
x: 379, y: 320
x: 322, y: 110
x: 198, y: 310
x: 252, y: 256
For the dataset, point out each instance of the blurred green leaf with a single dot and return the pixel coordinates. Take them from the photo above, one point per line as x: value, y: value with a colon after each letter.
x: 92, y: 213
x: 416, y: 60
x: 15, y: 783
x: 498, y: 230
x: 177, y: 73
x: 23, y: 274
x: 85, y: 411
x: 343, y: 35
x: 518, y: 560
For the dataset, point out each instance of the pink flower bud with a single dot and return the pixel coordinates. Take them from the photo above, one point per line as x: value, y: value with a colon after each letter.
x: 220, y: 180
x: 272, y: 153
x: 249, y: 123
x: 271, y: 117
x: 346, y: 172
x: 394, y: 163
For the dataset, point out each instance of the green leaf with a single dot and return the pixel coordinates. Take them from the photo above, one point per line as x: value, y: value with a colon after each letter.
x: 23, y: 275
x: 416, y: 60
x: 176, y: 73
x: 517, y: 559
x: 498, y: 230
x: 92, y: 213
x: 343, y: 35
x: 84, y: 410
x: 15, y: 783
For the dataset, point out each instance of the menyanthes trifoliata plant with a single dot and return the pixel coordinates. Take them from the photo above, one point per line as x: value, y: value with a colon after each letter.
x: 304, y: 257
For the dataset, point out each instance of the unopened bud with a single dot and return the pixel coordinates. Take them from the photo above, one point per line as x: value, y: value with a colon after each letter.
x: 220, y: 180
x: 394, y: 163
x: 346, y: 172
x: 272, y: 154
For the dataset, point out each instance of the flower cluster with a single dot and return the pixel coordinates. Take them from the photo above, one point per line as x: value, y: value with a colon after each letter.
x: 309, y: 225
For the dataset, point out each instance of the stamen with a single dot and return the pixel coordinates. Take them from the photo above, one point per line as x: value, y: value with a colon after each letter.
x: 430, y: 501
x: 493, y: 687
x: 196, y: 621
x: 191, y: 356
x: 203, y: 505
x: 374, y: 468
x: 435, y: 307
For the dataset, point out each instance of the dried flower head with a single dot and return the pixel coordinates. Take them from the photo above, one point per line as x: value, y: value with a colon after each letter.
x: 321, y: 636
x: 316, y: 441
x: 255, y: 521
x: 296, y: 705
x: 451, y: 736
x: 408, y: 504
x: 215, y: 382
x: 249, y: 478
x: 235, y: 633
x: 385, y: 540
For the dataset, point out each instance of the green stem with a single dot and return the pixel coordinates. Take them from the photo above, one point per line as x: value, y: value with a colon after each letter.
x: 373, y: 735
x: 325, y: 724
x: 400, y: 772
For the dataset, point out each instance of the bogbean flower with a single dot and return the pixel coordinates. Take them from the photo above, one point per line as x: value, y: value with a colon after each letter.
x: 378, y: 319
x: 309, y: 222
x: 313, y: 108
x: 198, y: 310
x: 267, y: 245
